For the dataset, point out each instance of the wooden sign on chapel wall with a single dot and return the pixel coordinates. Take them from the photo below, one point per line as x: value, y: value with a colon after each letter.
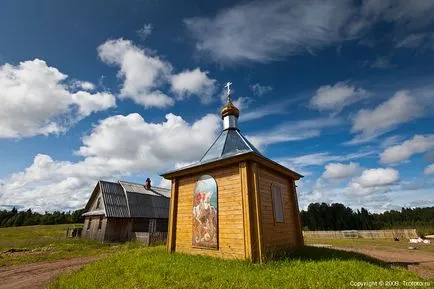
x: 205, y: 214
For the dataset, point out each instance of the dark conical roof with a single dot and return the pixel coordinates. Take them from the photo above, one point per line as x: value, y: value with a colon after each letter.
x: 229, y: 143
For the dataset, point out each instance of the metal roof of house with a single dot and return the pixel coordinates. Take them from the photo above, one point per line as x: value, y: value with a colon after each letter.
x: 132, y: 200
x: 140, y: 188
x: 144, y: 203
x: 115, y: 202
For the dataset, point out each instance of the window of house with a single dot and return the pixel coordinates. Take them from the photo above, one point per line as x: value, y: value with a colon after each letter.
x: 100, y: 223
x: 98, y: 203
x: 89, y: 223
x: 277, y: 204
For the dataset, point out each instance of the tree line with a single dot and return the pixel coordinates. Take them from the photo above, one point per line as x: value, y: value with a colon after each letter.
x: 317, y: 217
x: 15, y: 218
x: 339, y: 217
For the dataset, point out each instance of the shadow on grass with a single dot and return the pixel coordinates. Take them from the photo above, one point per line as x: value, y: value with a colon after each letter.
x: 310, y: 253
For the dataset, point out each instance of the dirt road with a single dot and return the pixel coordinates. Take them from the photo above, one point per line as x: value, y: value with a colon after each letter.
x: 417, y: 261
x: 38, y: 275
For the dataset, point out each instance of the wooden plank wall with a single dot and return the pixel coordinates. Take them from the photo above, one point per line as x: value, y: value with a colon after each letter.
x: 277, y: 235
x: 230, y: 214
x: 94, y: 232
x: 118, y: 229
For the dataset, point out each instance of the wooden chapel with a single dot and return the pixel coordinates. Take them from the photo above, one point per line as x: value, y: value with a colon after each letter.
x: 233, y: 203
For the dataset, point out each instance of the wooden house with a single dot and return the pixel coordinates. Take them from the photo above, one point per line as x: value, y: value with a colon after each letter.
x: 125, y: 211
x: 233, y: 203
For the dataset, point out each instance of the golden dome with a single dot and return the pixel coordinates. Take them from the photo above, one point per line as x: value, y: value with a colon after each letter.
x: 230, y: 109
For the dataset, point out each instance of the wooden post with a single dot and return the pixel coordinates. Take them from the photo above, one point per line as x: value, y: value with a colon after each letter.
x: 171, y: 234
x: 245, y: 189
x: 297, y: 220
x: 258, y: 216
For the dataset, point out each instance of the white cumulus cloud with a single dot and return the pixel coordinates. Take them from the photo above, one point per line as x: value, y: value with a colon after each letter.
x: 143, y: 75
x: 405, y: 150
x: 400, y: 108
x: 340, y: 171
x: 117, y: 146
x: 35, y: 99
x: 336, y: 97
x: 130, y: 143
x: 372, y: 181
x: 141, y: 71
x: 378, y: 177
x: 429, y: 170
x: 194, y: 82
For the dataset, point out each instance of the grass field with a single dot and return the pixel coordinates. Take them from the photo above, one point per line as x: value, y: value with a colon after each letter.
x: 48, y: 243
x: 130, y: 265
x: 154, y: 268
x: 380, y: 244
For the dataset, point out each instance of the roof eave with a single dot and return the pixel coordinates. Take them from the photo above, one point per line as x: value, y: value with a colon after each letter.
x: 92, y: 197
x: 230, y: 160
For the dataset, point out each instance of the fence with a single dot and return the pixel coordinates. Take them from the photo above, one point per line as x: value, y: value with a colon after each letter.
x: 151, y: 239
x: 73, y: 232
x: 372, y: 234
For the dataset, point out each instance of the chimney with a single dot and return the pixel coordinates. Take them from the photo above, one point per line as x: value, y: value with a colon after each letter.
x: 148, y: 184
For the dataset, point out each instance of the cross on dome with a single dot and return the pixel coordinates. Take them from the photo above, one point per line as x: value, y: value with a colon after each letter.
x: 228, y: 86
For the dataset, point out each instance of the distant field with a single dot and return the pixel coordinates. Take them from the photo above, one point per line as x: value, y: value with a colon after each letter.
x: 380, y: 244
x: 308, y: 268
x: 48, y: 243
x: 28, y: 236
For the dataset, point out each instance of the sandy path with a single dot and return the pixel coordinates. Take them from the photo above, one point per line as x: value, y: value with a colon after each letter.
x: 38, y: 275
x: 417, y: 261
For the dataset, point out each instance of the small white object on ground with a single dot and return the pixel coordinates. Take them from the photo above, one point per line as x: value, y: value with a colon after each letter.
x: 321, y: 245
x: 419, y: 240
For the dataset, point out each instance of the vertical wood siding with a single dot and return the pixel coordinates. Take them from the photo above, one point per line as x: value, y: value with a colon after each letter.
x: 94, y: 232
x: 118, y: 229
x: 277, y: 235
x: 230, y: 214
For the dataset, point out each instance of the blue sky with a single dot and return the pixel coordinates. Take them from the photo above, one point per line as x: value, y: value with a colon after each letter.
x: 340, y: 91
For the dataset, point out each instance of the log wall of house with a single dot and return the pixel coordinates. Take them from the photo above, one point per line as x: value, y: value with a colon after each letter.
x: 230, y: 214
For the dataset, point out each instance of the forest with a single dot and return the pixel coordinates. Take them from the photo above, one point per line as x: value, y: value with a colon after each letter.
x: 318, y: 216
x: 15, y: 218
x: 339, y: 217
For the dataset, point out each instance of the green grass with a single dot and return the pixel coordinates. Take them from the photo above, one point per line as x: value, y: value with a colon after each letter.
x: 30, y: 236
x: 375, y: 244
x: 48, y: 243
x: 155, y: 268
x: 424, y: 231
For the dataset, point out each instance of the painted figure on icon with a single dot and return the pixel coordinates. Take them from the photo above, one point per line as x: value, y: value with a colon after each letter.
x: 205, y: 213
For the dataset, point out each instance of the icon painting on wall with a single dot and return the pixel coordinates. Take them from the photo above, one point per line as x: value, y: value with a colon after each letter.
x: 205, y: 213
